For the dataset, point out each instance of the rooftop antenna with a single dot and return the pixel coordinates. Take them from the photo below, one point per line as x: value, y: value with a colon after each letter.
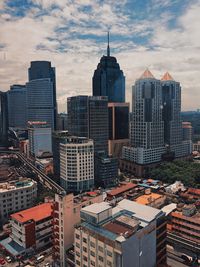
x: 108, y: 47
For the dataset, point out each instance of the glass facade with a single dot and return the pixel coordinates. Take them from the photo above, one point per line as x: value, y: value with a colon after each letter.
x: 109, y: 80
x: 40, y: 70
x: 3, y: 119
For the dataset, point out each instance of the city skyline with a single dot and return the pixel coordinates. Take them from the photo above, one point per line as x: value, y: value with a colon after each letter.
x: 161, y: 35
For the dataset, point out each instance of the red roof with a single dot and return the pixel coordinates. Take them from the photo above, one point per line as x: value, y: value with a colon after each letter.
x: 194, y: 191
x: 121, y: 189
x: 36, y: 213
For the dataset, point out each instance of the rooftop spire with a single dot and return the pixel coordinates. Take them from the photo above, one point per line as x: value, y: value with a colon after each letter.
x: 108, y: 47
x: 167, y: 77
x: 147, y: 74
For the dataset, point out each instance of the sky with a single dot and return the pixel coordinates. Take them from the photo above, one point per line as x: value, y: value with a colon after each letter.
x: 162, y: 35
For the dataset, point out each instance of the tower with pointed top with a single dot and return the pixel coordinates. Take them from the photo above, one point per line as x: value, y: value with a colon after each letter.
x: 147, y: 125
x: 171, y: 98
x: 108, y: 79
x: 156, y: 131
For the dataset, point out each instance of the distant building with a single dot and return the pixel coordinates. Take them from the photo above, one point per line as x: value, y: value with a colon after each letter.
x: 15, y: 196
x: 187, y: 131
x: 196, y: 146
x: 118, y: 128
x: 77, y: 164
x: 31, y: 230
x: 151, y: 199
x: 108, y: 79
x: 40, y: 140
x: 156, y: 132
x: 45, y: 165
x: 62, y: 122
x: 41, y: 93
x: 3, y: 119
x: 88, y: 117
x: 106, y: 170
x: 66, y: 216
x: 57, y: 138
x: 17, y: 106
x: 185, y: 224
x: 129, y: 234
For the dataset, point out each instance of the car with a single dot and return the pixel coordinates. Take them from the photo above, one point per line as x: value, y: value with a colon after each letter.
x: 2, y: 261
x: 8, y: 259
x: 47, y: 264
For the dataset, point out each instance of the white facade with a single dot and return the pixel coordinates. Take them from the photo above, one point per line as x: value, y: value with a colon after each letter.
x: 66, y: 215
x: 40, y: 140
x: 121, y: 236
x: 77, y: 164
x: 16, y: 196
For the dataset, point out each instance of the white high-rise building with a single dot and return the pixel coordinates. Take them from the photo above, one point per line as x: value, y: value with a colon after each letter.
x: 77, y: 163
x: 40, y: 138
x: 17, y: 106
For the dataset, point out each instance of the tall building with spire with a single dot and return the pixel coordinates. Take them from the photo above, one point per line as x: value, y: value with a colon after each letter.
x: 108, y: 79
x: 156, y: 132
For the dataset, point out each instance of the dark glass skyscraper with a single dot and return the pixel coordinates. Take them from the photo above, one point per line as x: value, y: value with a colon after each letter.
x: 108, y: 79
x: 41, y: 88
x: 3, y: 119
x: 88, y: 117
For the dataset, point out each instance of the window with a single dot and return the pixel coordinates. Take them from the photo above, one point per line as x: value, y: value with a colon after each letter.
x: 101, y: 258
x: 92, y: 244
x: 77, y: 236
x: 100, y: 249
x: 84, y: 249
x: 84, y: 240
x: 92, y: 253
x: 109, y: 253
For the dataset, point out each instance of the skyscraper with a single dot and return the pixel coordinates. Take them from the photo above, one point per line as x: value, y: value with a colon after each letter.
x: 41, y: 92
x: 108, y: 79
x: 17, y: 106
x: 3, y: 119
x: 118, y: 128
x: 156, y: 132
x: 88, y: 117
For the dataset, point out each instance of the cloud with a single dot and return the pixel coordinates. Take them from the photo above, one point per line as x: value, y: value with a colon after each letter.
x: 72, y: 35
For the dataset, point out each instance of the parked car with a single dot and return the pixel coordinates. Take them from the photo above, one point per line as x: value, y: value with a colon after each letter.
x: 2, y: 262
x: 8, y: 259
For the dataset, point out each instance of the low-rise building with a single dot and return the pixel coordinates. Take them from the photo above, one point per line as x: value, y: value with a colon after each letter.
x: 45, y: 165
x: 15, y: 196
x: 129, y: 234
x: 66, y: 216
x: 32, y: 229
x: 121, y: 191
x: 185, y: 223
x: 151, y: 199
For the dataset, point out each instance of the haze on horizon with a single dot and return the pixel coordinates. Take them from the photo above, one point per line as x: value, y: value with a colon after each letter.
x: 162, y: 35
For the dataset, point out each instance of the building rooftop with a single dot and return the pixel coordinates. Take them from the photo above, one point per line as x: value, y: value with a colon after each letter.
x: 97, y: 208
x: 123, y: 188
x: 13, y: 185
x: 167, y: 77
x: 147, y: 74
x: 148, y: 198
x: 36, y: 213
x: 169, y: 208
x: 140, y: 211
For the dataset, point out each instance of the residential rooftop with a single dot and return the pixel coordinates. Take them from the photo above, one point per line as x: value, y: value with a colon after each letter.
x: 13, y: 185
x: 148, y: 198
x: 36, y: 213
x: 121, y: 189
